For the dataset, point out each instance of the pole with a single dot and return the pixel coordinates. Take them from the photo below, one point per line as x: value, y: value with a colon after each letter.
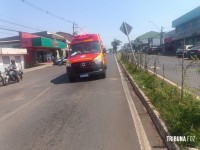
x: 183, y: 74
x: 161, y: 32
x: 161, y: 36
x: 129, y: 41
x: 73, y: 28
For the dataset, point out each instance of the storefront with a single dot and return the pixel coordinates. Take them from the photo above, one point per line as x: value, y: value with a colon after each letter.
x: 41, y: 49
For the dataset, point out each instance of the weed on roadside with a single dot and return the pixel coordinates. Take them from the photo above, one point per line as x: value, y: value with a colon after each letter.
x: 182, y: 116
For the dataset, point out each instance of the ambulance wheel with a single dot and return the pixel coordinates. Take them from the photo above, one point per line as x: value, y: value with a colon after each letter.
x: 103, y: 75
x: 72, y: 79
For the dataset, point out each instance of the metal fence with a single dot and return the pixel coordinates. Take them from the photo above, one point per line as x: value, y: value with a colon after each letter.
x: 169, y: 67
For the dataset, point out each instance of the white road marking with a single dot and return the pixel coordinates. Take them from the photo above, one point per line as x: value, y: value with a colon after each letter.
x: 144, y: 143
x: 152, y: 67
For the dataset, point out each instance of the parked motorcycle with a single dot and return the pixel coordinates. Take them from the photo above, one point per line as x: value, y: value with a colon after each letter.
x: 60, y: 61
x: 2, y: 79
x: 13, y: 75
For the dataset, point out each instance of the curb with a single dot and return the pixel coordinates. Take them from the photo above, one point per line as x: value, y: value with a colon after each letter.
x: 159, y: 124
x: 36, y: 68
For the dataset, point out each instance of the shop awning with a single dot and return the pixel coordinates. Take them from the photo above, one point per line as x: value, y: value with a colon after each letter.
x: 46, y: 42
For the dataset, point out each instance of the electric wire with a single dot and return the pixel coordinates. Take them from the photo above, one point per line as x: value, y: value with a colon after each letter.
x: 9, y: 29
x: 12, y: 28
x: 46, y: 11
x: 20, y: 20
x: 75, y: 25
x: 6, y: 33
x: 17, y: 24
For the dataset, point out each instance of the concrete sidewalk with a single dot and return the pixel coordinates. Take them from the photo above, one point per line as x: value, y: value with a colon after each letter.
x: 39, y: 66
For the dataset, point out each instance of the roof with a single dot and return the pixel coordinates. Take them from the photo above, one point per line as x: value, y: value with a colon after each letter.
x: 151, y: 34
x: 66, y: 35
x: 187, y: 17
x: 43, y: 34
x: 59, y: 36
x: 13, y: 38
x: 50, y: 35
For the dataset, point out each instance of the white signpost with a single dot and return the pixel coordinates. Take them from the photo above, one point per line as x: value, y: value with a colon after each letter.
x: 126, y: 29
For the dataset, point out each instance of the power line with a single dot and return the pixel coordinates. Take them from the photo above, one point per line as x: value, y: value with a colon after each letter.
x: 20, y: 20
x: 46, y: 11
x: 75, y: 25
x: 6, y: 33
x: 9, y: 29
x: 17, y: 24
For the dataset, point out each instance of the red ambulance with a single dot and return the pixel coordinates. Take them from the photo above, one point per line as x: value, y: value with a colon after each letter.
x: 86, y: 57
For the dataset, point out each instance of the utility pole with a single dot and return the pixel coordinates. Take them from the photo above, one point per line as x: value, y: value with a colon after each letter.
x: 161, y: 32
x: 75, y: 26
x: 161, y: 36
x: 183, y: 71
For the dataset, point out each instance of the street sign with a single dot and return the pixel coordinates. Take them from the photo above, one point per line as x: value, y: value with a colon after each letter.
x: 125, y: 28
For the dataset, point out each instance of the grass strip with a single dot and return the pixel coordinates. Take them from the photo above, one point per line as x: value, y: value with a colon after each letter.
x: 181, y: 116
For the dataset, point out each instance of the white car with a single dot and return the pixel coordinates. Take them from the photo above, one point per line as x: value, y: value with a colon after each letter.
x: 179, y: 52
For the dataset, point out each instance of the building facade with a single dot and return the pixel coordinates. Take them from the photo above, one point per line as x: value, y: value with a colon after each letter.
x: 187, y: 28
x: 6, y: 54
x: 41, y: 47
x: 169, y: 42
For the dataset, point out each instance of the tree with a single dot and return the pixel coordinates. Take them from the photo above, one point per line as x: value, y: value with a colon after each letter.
x: 115, y: 43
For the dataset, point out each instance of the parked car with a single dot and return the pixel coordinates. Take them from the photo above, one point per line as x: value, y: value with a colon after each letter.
x: 154, y: 50
x: 179, y: 52
x: 194, y: 52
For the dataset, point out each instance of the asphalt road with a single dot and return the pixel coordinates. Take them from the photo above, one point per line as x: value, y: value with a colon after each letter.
x: 47, y: 112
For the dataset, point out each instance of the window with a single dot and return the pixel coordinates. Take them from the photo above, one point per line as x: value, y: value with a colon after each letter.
x: 6, y: 61
x: 84, y: 48
x: 18, y: 61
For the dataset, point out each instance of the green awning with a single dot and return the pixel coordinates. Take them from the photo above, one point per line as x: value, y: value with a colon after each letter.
x: 42, y: 42
x: 46, y: 42
x: 61, y: 44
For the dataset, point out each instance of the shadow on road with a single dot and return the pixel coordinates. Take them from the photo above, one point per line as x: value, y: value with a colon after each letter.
x: 63, y: 79
x: 93, y: 78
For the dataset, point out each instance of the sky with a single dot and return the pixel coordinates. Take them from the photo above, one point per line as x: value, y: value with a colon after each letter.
x: 92, y: 16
